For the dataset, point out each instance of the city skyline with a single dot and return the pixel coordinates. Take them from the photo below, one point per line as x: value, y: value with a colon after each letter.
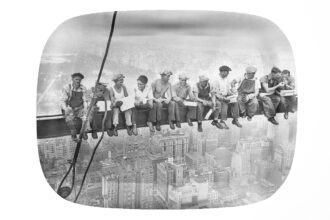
x: 178, y: 169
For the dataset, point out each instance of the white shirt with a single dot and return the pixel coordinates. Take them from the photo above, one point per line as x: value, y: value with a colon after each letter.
x: 118, y: 95
x: 144, y: 95
x: 221, y: 86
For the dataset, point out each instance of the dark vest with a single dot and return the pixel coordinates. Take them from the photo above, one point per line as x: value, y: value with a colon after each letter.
x: 203, y: 93
x: 76, y: 99
x: 247, y: 86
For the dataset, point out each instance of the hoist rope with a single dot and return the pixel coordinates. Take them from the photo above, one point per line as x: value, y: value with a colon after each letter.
x: 83, y: 127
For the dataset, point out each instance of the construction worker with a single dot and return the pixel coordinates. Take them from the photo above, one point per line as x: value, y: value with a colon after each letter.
x: 180, y: 93
x: 269, y: 99
x: 288, y: 101
x: 221, y: 93
x: 161, y: 89
x: 248, y: 90
x: 143, y: 100
x: 101, y: 94
x: 202, y: 95
x: 73, y: 104
x: 118, y: 92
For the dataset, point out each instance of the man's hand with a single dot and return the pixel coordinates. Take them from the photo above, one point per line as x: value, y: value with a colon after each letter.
x: 281, y: 84
x: 226, y: 100
x: 68, y: 110
x: 166, y: 101
x: 118, y: 104
x: 177, y: 99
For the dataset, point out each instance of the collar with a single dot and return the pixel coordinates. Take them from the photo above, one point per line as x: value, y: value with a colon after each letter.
x: 80, y: 87
x: 145, y: 88
x: 200, y: 85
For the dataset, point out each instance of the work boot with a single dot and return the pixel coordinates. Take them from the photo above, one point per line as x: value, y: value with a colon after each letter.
x: 129, y: 130
x: 85, y: 136
x: 199, y: 128
x: 134, y: 130
x: 235, y: 122
x: 286, y: 115
x: 224, y: 124
x: 115, y: 131
x: 151, y: 127
x: 178, y: 124
x: 94, y: 135
x: 217, y: 124
x: 273, y: 121
x: 158, y: 126
x: 110, y: 132
x: 189, y: 122
x: 171, y: 125
x: 243, y: 115
x: 249, y: 118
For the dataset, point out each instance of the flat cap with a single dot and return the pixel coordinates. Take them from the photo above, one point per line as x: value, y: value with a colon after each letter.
x: 183, y: 76
x: 275, y: 70
x: 203, y: 78
x: 250, y: 69
x: 286, y: 72
x: 224, y: 68
x: 77, y: 75
x: 117, y: 77
x: 166, y: 72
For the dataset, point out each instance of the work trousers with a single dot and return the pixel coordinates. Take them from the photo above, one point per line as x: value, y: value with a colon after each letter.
x: 156, y: 111
x: 288, y: 103
x: 145, y: 108
x: 93, y: 122
x: 128, y: 117
x: 270, y: 104
x: 249, y: 108
x: 175, y: 111
x: 201, y: 108
x: 224, y: 110
x: 77, y: 112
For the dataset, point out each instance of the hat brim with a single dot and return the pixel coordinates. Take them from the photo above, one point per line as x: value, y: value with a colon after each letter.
x: 77, y: 75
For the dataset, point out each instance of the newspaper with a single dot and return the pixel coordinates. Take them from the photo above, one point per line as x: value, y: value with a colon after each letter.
x: 207, y: 116
x: 190, y: 103
x: 128, y: 103
x: 287, y: 92
x: 100, y: 105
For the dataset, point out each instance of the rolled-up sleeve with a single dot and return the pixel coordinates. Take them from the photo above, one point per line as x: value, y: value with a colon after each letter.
x: 64, y: 97
x: 214, y: 88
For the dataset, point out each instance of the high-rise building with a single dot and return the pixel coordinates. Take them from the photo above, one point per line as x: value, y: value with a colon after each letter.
x: 127, y: 189
x: 110, y: 190
x: 144, y: 189
x: 174, y: 145
x: 51, y: 148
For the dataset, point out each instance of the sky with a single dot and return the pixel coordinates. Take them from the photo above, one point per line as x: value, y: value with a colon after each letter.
x: 148, y: 42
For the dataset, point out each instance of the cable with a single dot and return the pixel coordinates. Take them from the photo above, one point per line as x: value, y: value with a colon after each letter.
x: 83, y: 127
x: 94, y: 151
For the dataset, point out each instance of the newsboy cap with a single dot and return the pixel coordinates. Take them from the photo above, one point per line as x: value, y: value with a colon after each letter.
x: 203, y: 78
x: 275, y: 70
x: 224, y: 68
x: 286, y: 72
x: 77, y: 75
x: 166, y: 72
x: 250, y: 69
x: 117, y: 77
x: 183, y: 76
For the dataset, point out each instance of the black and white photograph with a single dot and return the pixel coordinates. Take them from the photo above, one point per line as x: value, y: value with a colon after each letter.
x: 166, y: 109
